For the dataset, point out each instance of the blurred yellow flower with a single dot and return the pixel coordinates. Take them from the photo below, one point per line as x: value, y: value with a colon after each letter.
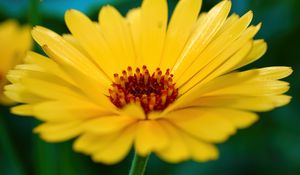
x: 14, y: 42
x: 168, y: 88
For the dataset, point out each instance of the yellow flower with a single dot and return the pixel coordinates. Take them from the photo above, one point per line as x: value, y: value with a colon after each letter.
x: 14, y: 42
x: 168, y: 88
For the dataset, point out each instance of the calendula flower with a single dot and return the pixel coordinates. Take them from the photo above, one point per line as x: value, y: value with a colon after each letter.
x: 14, y: 42
x: 169, y: 88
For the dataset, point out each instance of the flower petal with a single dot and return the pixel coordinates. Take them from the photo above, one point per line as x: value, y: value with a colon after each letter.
x: 254, y: 83
x: 177, y: 150
x: 213, y: 122
x: 184, y: 146
x: 241, y: 119
x: 75, y: 43
x: 108, y: 124
x: 225, y: 44
x: 69, y: 55
x: 202, y: 123
x: 19, y: 93
x: 91, y: 39
x: 59, y: 111
x: 202, y: 36
x: 118, y: 149
x: 258, y: 104
x: 217, y: 67
x: 23, y: 110
x: 274, y: 73
x: 116, y: 32
x: 133, y: 110
x: 47, y: 65
x: 50, y: 90
x: 218, y: 83
x: 199, y: 150
x: 255, y: 88
x: 182, y: 22
x: 258, y: 50
x: 230, y: 21
x: 89, y: 143
x: 134, y: 20
x: 57, y: 132
x: 154, y: 17
x: 150, y: 136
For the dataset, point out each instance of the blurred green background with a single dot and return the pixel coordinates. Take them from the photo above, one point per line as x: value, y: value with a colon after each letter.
x: 270, y: 147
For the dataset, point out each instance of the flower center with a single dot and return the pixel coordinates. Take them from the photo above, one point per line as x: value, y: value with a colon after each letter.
x: 153, y: 92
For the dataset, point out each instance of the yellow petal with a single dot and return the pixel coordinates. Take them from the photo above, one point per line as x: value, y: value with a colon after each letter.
x: 217, y: 67
x: 241, y: 43
x: 57, y: 132
x: 47, y: 65
x: 177, y: 150
x: 19, y: 93
x: 50, y: 90
x: 202, y: 123
x: 91, y: 39
x: 236, y: 58
x: 183, y: 147
x: 274, y: 73
x: 230, y: 21
x: 116, y: 32
x: 218, y: 83
x: 94, y: 89
x: 68, y: 55
x: 89, y: 143
x: 154, y: 16
x: 150, y: 136
x: 133, y: 110
x: 240, y: 119
x: 134, y: 20
x: 255, y: 88
x: 75, y: 43
x: 33, y: 71
x: 78, y: 76
x: 25, y: 40
x: 202, y: 36
x: 8, y: 26
x: 23, y: 110
x: 225, y: 44
x: 258, y: 50
x: 245, y: 83
x: 15, y: 42
x: 5, y: 100
x: 118, y: 149
x: 182, y: 22
x: 59, y: 111
x: 259, y: 104
x: 199, y: 150
x: 212, y: 119
x: 108, y: 124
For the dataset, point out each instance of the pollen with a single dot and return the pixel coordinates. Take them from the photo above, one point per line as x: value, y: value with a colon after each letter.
x: 154, y: 92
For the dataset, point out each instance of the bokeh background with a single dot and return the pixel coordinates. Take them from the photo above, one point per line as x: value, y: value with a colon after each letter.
x: 270, y: 147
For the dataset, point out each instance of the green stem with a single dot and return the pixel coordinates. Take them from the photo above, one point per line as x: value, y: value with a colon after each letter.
x: 34, y: 12
x: 138, y: 165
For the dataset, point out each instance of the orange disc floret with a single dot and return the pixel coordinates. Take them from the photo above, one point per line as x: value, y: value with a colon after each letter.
x: 154, y: 92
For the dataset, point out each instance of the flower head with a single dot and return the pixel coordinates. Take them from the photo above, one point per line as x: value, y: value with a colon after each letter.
x: 14, y: 42
x: 171, y: 88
